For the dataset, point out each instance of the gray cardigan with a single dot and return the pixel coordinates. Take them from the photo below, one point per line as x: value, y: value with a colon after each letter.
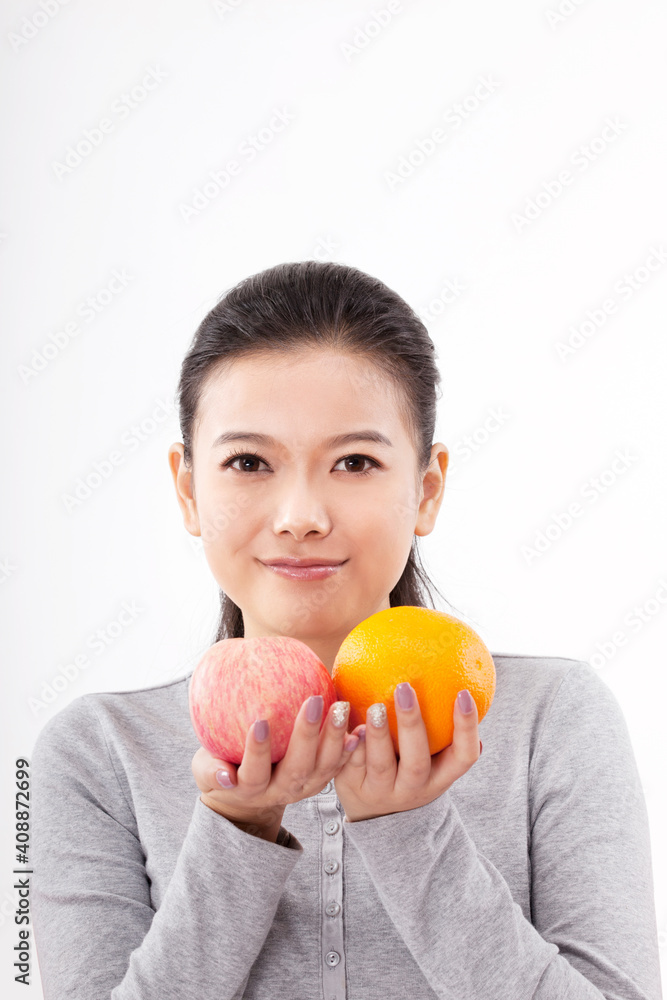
x: 531, y: 877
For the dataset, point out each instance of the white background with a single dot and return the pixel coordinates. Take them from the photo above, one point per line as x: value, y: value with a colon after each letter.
x: 360, y: 98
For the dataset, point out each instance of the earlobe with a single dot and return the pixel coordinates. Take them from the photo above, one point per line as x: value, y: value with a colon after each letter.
x: 182, y: 477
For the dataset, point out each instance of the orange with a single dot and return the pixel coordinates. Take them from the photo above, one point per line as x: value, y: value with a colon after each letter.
x: 438, y: 654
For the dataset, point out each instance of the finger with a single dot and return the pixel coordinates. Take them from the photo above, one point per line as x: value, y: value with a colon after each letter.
x: 224, y: 775
x: 466, y: 720
x: 414, y: 767
x: 207, y: 770
x: 464, y: 749
x: 350, y: 743
x: 380, y: 754
x: 333, y: 740
x: 254, y: 772
x: 296, y: 767
x: 356, y: 756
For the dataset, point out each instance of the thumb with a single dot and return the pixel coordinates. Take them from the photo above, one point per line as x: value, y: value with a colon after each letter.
x: 209, y: 772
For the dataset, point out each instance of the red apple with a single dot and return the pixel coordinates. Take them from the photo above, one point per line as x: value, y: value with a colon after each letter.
x: 240, y: 680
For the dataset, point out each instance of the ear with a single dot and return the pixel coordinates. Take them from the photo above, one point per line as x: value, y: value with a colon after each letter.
x: 183, y: 481
x: 433, y: 489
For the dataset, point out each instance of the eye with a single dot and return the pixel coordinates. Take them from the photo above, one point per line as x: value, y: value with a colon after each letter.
x: 237, y: 455
x: 362, y: 458
x: 229, y: 463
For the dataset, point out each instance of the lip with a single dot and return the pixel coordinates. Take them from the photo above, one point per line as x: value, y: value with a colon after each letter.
x: 296, y: 561
x: 304, y: 569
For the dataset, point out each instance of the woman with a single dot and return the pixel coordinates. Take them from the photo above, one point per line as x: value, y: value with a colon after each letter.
x: 162, y: 872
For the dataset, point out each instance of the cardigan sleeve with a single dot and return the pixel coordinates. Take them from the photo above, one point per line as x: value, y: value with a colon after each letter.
x: 593, y: 934
x: 96, y: 932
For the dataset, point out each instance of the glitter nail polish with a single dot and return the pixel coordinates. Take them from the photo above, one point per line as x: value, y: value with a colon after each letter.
x: 339, y: 713
x: 377, y: 714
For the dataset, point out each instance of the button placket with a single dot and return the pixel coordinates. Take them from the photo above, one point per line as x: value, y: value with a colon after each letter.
x: 331, y: 832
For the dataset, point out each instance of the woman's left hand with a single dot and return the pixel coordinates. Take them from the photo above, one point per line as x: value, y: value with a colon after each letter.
x: 373, y: 782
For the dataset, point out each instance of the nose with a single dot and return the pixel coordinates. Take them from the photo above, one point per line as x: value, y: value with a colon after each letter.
x: 301, y: 512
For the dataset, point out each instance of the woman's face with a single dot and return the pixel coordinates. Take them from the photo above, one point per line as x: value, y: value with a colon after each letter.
x: 356, y: 502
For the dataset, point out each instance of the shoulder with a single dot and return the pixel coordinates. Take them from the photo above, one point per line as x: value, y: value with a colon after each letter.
x: 574, y: 724
x: 90, y: 720
x: 527, y: 685
x: 549, y: 698
x: 554, y: 681
x: 567, y: 724
x: 543, y: 680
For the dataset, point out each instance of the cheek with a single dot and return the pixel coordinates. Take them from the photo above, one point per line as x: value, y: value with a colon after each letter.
x: 224, y: 524
x: 381, y: 535
x: 393, y: 514
x: 222, y: 507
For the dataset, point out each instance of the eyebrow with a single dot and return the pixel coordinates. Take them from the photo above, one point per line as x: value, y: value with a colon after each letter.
x: 333, y: 442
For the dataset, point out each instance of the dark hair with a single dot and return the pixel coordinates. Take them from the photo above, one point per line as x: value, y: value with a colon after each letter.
x: 295, y: 306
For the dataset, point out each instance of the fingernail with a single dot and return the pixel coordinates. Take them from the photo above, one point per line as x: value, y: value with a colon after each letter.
x: 480, y: 746
x: 339, y: 713
x: 314, y: 708
x: 377, y: 713
x: 261, y: 729
x: 466, y: 703
x: 223, y: 779
x: 405, y: 695
x: 362, y: 734
x: 350, y: 742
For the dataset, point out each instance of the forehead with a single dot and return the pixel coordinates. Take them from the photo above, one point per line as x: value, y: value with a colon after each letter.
x: 311, y: 391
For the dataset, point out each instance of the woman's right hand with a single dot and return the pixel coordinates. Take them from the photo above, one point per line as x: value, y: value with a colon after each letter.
x: 261, y: 790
